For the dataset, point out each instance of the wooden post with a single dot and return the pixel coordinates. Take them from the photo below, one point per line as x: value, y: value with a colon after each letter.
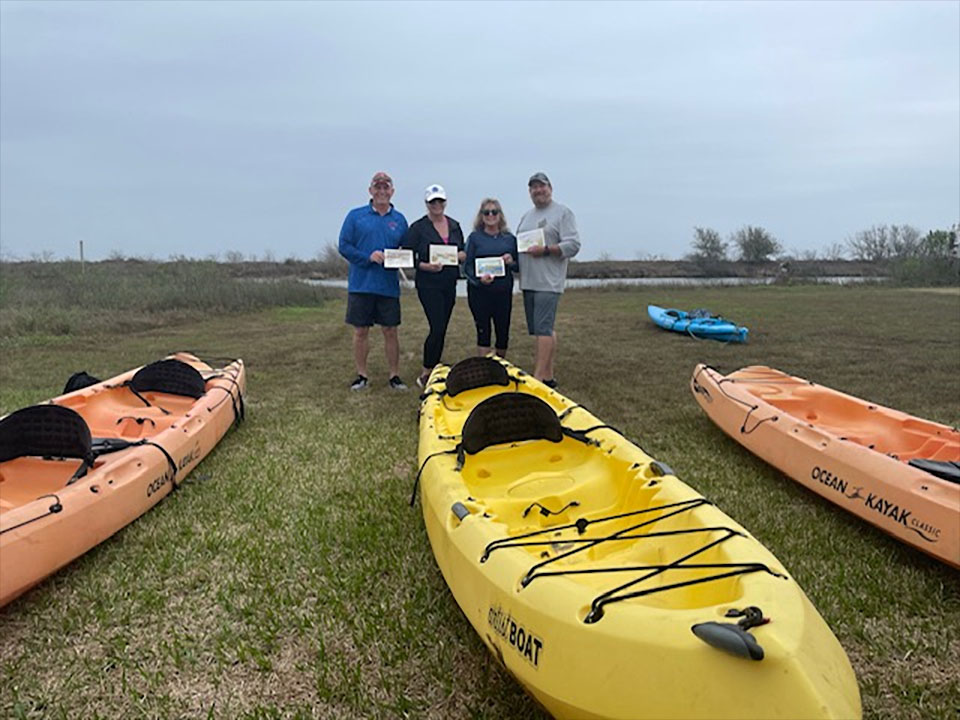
x: 82, y: 268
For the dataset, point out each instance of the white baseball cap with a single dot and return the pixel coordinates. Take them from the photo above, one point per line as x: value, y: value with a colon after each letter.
x: 433, y: 192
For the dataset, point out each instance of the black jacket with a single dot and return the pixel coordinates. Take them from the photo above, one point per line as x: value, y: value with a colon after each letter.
x: 420, y: 236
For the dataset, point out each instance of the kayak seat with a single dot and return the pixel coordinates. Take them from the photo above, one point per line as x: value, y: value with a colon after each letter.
x: 945, y: 470
x: 169, y: 376
x: 47, y: 431
x: 79, y: 380
x: 507, y: 418
x: 475, y: 372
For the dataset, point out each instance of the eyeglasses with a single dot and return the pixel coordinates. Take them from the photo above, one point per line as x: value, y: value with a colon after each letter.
x: 435, y: 201
x: 490, y: 212
x: 381, y: 185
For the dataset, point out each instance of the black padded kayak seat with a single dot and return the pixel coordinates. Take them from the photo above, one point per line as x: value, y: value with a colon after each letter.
x: 943, y: 469
x: 79, y: 380
x: 169, y: 376
x: 49, y: 431
x: 476, y: 372
x: 509, y: 417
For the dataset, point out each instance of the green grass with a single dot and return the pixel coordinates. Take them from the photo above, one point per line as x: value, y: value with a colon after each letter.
x: 51, y: 300
x: 288, y: 577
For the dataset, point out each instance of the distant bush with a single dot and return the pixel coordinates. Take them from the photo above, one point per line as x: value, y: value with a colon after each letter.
x: 60, y: 298
x: 707, y: 246
x: 331, y: 263
x: 884, y: 242
x: 909, y: 259
x: 755, y: 243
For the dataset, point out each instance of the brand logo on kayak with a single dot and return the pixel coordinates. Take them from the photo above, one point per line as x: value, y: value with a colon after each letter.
x: 189, y: 458
x: 158, y: 483
x: 875, y: 502
x: 825, y: 477
x: 520, y: 638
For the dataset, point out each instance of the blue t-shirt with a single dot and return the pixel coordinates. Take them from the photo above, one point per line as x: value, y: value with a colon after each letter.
x: 365, y: 230
x: 480, y: 245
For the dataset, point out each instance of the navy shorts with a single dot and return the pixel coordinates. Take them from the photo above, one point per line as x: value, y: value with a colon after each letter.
x: 366, y: 309
x: 541, y: 309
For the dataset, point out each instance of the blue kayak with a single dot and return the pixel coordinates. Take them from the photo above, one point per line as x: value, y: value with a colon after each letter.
x: 699, y: 323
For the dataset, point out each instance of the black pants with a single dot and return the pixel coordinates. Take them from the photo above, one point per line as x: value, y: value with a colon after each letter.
x: 487, y: 305
x: 437, y: 306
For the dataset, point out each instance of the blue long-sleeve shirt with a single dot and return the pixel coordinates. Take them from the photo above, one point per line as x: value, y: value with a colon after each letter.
x: 365, y: 230
x: 481, y: 245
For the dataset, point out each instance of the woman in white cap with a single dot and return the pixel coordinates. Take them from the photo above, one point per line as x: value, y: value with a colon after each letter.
x: 436, y: 240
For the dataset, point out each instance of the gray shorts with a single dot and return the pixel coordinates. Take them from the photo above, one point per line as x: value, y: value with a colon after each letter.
x: 541, y: 309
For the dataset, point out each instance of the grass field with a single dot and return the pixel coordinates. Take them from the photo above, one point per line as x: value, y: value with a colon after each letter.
x: 288, y: 577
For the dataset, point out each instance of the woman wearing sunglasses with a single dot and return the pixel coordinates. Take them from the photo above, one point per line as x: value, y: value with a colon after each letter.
x: 490, y: 292
x: 437, y: 271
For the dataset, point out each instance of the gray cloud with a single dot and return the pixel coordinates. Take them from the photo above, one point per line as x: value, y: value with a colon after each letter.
x: 198, y: 128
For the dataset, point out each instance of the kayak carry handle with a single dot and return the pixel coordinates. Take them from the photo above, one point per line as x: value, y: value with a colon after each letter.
x: 730, y: 637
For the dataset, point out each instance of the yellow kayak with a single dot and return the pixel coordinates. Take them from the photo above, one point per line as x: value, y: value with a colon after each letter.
x: 606, y: 586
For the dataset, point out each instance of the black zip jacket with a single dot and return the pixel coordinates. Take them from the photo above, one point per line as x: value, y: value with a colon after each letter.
x: 420, y: 236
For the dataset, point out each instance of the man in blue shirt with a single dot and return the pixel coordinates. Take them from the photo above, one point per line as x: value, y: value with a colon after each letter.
x: 373, y: 292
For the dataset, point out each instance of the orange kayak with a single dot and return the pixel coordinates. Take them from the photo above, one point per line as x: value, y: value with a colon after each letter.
x: 77, y: 469
x: 898, y: 472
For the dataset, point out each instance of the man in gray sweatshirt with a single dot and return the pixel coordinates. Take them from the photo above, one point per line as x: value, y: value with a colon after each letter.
x: 543, y: 269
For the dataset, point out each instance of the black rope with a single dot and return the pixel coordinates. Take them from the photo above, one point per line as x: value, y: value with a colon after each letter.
x: 545, y: 511
x: 743, y: 428
x: 602, y: 427
x: 81, y: 471
x: 611, y: 596
x: 667, y: 566
x: 751, y: 407
x: 52, y: 510
x: 697, y: 387
x: 594, y: 541
x: 531, y: 573
x: 416, y: 482
x: 145, y: 401
x: 104, y: 446
x: 596, y: 614
x: 582, y: 524
x: 563, y: 416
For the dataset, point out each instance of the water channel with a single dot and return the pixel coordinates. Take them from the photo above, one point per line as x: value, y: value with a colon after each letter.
x: 651, y: 282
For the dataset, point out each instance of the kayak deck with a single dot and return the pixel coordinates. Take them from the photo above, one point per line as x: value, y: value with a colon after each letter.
x: 877, y: 428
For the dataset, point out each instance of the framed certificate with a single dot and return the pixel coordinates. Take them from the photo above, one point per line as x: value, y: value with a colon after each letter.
x: 530, y: 238
x: 397, y: 258
x: 491, y: 266
x: 444, y: 255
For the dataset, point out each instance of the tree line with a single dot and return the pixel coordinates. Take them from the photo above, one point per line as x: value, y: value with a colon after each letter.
x: 880, y: 243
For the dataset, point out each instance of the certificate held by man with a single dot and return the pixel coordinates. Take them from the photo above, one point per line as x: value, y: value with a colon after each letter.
x: 529, y: 239
x: 444, y: 255
x: 398, y: 258
x: 490, y: 266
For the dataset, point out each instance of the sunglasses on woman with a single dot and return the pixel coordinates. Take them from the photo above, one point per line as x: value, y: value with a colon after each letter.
x: 491, y: 212
x: 436, y: 201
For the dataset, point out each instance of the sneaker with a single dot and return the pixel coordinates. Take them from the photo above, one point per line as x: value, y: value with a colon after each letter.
x: 360, y: 383
x: 422, y: 381
x: 551, y: 383
x: 396, y: 383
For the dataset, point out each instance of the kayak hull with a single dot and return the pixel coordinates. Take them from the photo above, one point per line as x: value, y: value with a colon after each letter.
x: 45, y: 523
x: 710, y: 328
x: 641, y: 658
x: 821, y: 438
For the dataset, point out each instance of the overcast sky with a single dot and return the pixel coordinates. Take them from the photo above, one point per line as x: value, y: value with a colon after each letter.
x: 160, y: 128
